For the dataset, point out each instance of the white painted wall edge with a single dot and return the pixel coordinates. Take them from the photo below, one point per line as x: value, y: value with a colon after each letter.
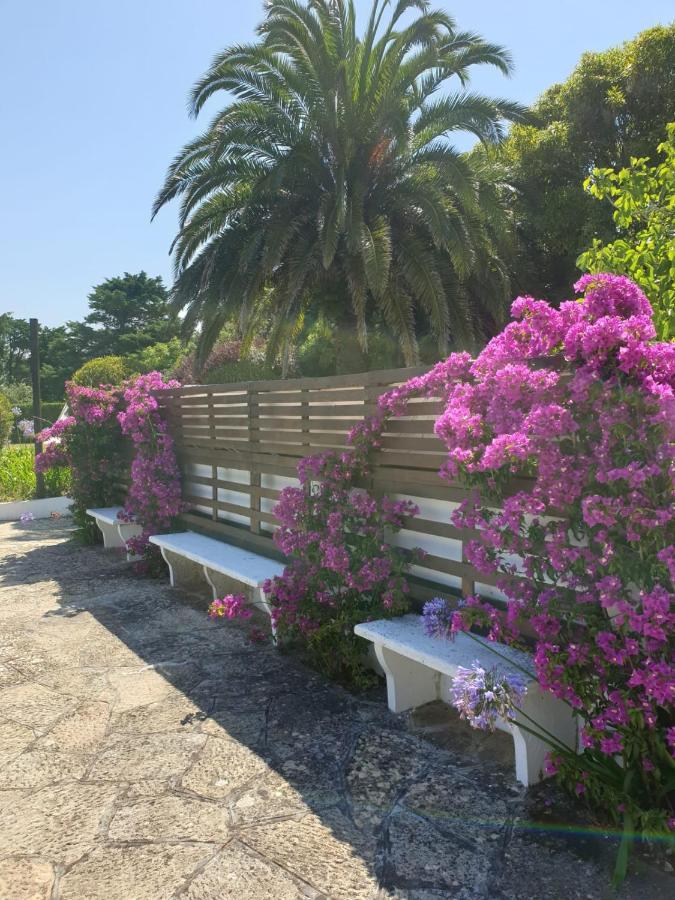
x: 41, y: 509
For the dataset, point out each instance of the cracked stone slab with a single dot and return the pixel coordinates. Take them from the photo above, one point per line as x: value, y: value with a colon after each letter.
x: 25, y: 879
x: 9, y: 798
x: 13, y: 740
x: 34, y: 705
x: 128, y: 757
x: 138, y: 686
x: 272, y: 797
x: 172, y: 714
x: 151, y: 872
x: 383, y: 763
x: 151, y: 787
x: 10, y: 675
x: 84, y: 684
x: 460, y: 805
x: 237, y: 873
x: 171, y: 818
x: 38, y: 768
x: 57, y: 823
x: 81, y: 731
x: 328, y: 853
x: 419, y: 855
x: 222, y: 767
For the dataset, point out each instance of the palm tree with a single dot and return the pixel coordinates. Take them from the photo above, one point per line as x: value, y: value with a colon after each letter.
x: 329, y: 182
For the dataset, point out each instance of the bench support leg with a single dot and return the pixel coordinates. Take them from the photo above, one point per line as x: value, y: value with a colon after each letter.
x: 261, y: 602
x: 214, y: 589
x: 111, y: 536
x: 127, y: 530
x: 554, y: 716
x: 409, y: 683
x: 165, y: 557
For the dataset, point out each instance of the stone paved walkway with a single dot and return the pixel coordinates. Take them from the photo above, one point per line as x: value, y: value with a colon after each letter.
x: 147, y: 753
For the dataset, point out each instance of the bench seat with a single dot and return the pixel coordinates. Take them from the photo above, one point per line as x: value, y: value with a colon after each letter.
x: 115, y: 531
x: 419, y: 669
x: 211, y: 555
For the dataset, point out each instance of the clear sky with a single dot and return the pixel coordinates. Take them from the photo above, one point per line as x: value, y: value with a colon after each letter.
x: 93, y: 108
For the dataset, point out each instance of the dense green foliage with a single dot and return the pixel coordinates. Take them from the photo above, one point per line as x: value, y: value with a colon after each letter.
x: 17, y: 475
x: 643, y: 200
x: 329, y: 183
x: 163, y: 356
x: 6, y: 419
x: 614, y: 106
x: 110, y: 370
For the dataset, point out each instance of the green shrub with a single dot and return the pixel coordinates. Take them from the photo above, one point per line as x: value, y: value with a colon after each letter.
x: 103, y: 370
x: 51, y: 410
x: 161, y: 357
x: 19, y: 393
x: 17, y: 475
x: 6, y: 419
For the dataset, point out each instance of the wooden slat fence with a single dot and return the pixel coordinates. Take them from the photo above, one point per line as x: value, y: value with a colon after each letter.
x: 239, y: 445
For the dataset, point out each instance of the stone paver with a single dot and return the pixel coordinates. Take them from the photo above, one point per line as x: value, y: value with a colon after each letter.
x: 149, y: 754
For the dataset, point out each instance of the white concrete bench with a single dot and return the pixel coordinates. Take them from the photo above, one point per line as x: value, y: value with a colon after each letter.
x: 420, y: 669
x: 214, y: 556
x: 116, y: 532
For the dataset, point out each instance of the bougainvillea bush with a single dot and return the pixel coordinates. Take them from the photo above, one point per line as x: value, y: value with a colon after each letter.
x: 154, y: 495
x: 342, y: 570
x: 120, y: 454
x: 580, y: 400
x: 90, y: 443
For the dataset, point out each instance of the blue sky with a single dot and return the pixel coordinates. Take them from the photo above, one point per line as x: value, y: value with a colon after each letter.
x: 93, y: 108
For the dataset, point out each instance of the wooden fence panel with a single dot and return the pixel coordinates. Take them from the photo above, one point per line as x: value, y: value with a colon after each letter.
x: 239, y: 444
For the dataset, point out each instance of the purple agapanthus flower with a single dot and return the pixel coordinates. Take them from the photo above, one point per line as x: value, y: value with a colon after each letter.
x: 482, y: 696
x: 438, y: 617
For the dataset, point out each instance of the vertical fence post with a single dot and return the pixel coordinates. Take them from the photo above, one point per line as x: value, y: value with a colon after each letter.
x: 37, y: 398
x: 255, y: 477
x: 214, y: 468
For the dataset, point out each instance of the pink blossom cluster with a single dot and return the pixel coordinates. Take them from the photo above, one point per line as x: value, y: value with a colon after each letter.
x: 342, y: 569
x: 232, y: 606
x: 154, y: 496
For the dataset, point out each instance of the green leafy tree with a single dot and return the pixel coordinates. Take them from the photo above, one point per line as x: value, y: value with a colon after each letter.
x: 330, y: 181
x: 127, y: 314
x: 614, y: 106
x: 60, y: 356
x: 14, y: 349
x: 643, y: 200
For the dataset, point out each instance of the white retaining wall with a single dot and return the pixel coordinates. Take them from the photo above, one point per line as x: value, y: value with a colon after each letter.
x: 40, y: 509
